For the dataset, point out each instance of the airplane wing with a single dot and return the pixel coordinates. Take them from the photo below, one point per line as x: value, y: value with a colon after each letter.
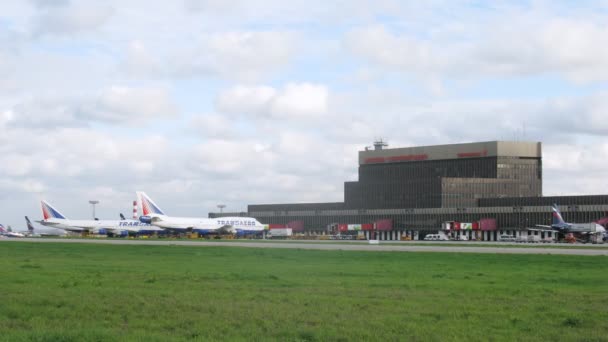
x: 226, y: 229
x: 74, y: 229
x: 543, y: 226
x: 115, y: 230
x: 16, y: 235
x: 541, y: 230
x: 45, y: 223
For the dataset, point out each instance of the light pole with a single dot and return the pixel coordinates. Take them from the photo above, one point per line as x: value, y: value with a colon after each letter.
x: 221, y: 206
x: 93, y: 202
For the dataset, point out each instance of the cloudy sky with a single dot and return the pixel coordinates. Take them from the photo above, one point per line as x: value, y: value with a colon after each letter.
x: 200, y: 102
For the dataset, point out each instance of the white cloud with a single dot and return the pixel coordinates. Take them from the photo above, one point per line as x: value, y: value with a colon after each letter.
x: 511, y: 46
x: 568, y: 162
x: 29, y: 186
x: 286, y: 106
x: 15, y: 165
x: 237, y: 55
x: 120, y: 103
x: 301, y: 100
x: 140, y: 61
x: 294, y: 101
x: 234, y: 55
x: 246, y: 99
x: 213, y: 126
x: 223, y: 157
x: 115, y: 104
x: 6, y: 117
x: 71, y: 18
x: 576, y: 49
x: 380, y: 46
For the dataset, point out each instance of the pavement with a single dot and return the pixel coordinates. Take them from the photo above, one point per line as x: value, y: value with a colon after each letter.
x: 334, y: 245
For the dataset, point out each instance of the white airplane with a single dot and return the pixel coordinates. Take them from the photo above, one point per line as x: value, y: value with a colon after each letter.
x: 558, y: 224
x: 9, y: 233
x: 47, y: 231
x: 223, y: 225
x: 53, y: 218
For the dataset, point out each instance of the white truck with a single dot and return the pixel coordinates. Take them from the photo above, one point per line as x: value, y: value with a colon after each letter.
x: 508, y: 238
x: 280, y: 233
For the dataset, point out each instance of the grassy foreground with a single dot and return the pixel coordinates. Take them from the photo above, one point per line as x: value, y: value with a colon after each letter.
x: 81, y: 292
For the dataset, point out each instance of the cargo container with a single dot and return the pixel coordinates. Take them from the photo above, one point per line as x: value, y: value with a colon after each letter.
x: 603, y: 221
x: 587, y: 227
x: 367, y: 226
x: 280, y: 233
x: 383, y: 225
x: 276, y: 225
x: 487, y: 224
x: 483, y: 224
x: 296, y: 226
x: 354, y: 227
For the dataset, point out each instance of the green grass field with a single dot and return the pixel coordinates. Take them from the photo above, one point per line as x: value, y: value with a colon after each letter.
x: 85, y: 292
x: 365, y: 242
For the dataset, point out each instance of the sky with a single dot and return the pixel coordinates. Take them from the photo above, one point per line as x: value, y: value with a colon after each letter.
x: 207, y: 102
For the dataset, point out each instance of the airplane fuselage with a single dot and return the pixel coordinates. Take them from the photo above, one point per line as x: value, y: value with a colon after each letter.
x: 244, y: 225
x: 592, y: 228
x: 13, y: 235
x: 98, y: 225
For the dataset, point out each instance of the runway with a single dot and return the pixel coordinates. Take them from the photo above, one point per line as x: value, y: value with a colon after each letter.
x: 330, y: 246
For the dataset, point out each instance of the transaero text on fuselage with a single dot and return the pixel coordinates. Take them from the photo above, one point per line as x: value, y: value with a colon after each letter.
x: 236, y: 223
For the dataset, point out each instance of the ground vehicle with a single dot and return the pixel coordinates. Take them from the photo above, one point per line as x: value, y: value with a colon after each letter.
x: 435, y: 237
x: 507, y: 238
x: 534, y: 239
x: 280, y: 233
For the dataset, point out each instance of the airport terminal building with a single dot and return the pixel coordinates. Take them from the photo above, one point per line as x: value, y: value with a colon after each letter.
x: 492, y: 188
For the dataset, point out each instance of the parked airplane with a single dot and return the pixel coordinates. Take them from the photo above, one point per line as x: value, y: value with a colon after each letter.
x: 53, y: 218
x: 223, y: 225
x: 47, y: 231
x: 9, y: 233
x: 558, y: 224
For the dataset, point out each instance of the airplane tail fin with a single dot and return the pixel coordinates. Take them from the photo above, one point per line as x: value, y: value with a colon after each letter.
x: 122, y: 217
x: 558, y: 220
x: 148, y: 206
x: 49, y: 212
x: 30, y: 226
x: 2, y: 229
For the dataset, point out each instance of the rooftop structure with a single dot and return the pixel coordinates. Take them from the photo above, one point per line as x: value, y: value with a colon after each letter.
x: 439, y: 176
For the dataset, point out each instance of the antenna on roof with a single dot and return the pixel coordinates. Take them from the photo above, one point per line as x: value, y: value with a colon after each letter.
x: 379, y: 144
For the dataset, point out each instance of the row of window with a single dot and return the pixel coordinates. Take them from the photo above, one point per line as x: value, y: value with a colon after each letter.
x: 516, y: 220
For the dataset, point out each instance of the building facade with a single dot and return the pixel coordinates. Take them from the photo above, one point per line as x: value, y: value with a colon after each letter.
x: 445, y: 176
x: 419, y: 188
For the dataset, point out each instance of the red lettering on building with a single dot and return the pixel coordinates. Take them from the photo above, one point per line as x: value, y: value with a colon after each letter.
x: 473, y: 154
x: 374, y: 160
x: 408, y: 157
